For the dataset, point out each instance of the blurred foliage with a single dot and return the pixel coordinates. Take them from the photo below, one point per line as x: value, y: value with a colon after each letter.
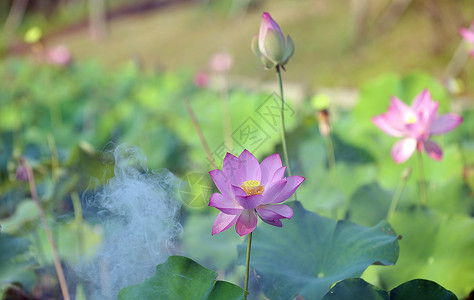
x: 66, y: 121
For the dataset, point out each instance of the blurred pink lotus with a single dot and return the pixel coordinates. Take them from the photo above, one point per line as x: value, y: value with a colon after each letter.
x: 249, y: 189
x: 221, y: 62
x: 59, y: 55
x: 416, y: 124
x: 468, y: 36
x: 201, y: 79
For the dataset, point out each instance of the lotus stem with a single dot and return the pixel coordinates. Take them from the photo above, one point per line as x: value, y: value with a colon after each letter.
x: 282, y: 117
x: 421, y: 178
x: 201, y: 136
x: 398, y: 193
x: 331, y: 158
x: 247, y: 266
x: 57, y: 262
x: 226, y: 120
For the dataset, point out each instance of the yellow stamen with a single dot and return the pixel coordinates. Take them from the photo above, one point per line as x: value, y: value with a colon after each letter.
x: 411, y: 119
x: 252, y: 187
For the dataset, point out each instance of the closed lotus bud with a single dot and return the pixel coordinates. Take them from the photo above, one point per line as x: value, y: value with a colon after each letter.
x: 22, y: 171
x: 324, y: 122
x: 270, y: 44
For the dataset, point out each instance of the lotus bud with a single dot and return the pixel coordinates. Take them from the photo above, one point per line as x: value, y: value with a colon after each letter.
x: 270, y: 44
x: 321, y: 103
x: 324, y: 123
x: 22, y: 171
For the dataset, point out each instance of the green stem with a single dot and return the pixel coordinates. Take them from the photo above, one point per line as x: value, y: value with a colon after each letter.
x: 331, y: 158
x: 226, y: 120
x: 422, y: 179
x: 247, y: 266
x: 200, y: 135
x: 398, y: 193
x: 282, y: 117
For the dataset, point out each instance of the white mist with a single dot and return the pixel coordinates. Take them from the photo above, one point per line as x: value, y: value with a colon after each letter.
x: 138, y: 210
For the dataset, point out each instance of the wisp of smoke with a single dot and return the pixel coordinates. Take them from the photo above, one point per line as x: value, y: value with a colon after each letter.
x: 138, y: 210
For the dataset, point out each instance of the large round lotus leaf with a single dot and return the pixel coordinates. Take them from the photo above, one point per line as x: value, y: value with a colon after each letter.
x: 320, y: 192
x: 369, y: 205
x: 182, y: 278
x: 25, y: 218
x: 417, y: 289
x: 16, y: 266
x: 312, y: 252
x: 435, y: 246
x: 355, y: 289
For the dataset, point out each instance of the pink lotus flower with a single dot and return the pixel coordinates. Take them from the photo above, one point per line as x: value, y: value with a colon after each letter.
x: 249, y: 189
x: 468, y: 35
x: 270, y: 45
x: 416, y: 124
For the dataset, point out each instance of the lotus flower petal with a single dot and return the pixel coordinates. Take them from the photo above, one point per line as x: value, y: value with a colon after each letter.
x: 402, y: 150
x: 268, y: 167
x: 222, y: 182
x: 274, y: 190
x: 249, y: 167
x: 422, y: 101
x: 279, y: 174
x: 383, y: 122
x: 249, y: 202
x: 254, y: 46
x: 293, y: 182
x: 399, y: 109
x: 275, y: 222
x: 290, y: 49
x: 276, y: 211
x: 246, y: 222
x: 226, y: 205
x: 433, y: 150
x: 223, y: 222
x: 445, y: 123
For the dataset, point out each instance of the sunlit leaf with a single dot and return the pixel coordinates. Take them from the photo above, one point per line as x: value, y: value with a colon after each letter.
x: 435, y: 246
x: 182, y: 278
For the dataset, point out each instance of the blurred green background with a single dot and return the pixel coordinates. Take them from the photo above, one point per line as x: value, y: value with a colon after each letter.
x: 125, y: 70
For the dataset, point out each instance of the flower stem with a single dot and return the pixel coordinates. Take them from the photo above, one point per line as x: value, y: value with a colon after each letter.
x: 200, y: 135
x: 331, y: 158
x: 226, y: 120
x: 247, y: 266
x: 282, y: 117
x: 421, y: 177
x: 57, y: 262
x: 398, y: 193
